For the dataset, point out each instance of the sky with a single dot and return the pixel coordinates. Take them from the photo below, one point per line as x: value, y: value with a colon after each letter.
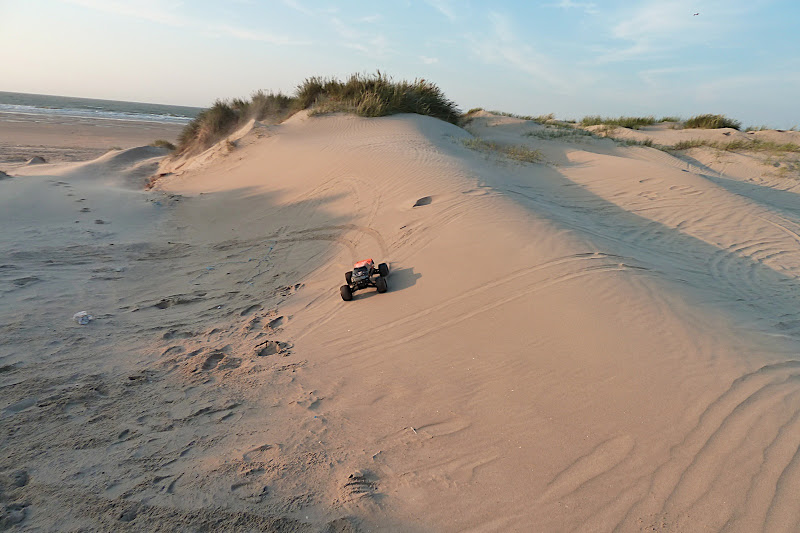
x: 572, y: 58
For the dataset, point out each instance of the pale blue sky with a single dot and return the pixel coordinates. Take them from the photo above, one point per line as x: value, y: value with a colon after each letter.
x: 568, y: 57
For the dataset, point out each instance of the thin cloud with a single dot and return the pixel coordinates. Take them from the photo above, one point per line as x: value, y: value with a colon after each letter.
x: 305, y: 10
x: 151, y: 10
x: 247, y: 34
x: 445, y: 7
x: 370, y: 19
x: 587, y: 7
x: 657, y: 78
x: 297, y: 6
x: 429, y: 60
x: 367, y: 42
x: 752, y: 83
x: 656, y: 27
x: 503, y: 47
x: 168, y: 14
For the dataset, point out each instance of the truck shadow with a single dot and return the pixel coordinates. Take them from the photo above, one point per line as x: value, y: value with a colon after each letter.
x: 402, y: 278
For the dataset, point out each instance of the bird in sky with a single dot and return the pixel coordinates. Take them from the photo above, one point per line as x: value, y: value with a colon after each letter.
x: 695, y: 14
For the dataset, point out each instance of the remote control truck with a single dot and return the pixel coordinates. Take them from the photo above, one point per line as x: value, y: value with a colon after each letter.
x: 363, y: 275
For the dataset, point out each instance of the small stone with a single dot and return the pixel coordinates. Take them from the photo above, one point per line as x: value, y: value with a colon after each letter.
x: 82, y: 318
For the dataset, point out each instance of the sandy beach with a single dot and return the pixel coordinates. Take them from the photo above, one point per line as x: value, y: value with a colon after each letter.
x: 60, y: 139
x: 602, y: 340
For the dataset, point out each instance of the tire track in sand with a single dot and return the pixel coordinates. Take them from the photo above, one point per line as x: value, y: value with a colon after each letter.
x: 607, y: 263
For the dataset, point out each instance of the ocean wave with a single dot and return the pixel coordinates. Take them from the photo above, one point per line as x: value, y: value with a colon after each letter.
x: 94, y: 113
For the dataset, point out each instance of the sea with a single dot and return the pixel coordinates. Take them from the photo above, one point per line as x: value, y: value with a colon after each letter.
x: 67, y: 106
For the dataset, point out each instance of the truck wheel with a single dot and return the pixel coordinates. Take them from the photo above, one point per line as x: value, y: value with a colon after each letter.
x: 347, y: 294
x: 348, y: 277
x: 383, y: 269
x: 381, y: 284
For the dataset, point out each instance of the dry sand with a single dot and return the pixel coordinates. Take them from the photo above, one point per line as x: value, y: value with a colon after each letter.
x: 606, y: 340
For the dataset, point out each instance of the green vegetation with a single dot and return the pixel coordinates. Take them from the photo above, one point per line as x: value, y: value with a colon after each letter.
x: 375, y: 96
x: 634, y: 142
x: 749, y: 145
x: 606, y: 130
x: 787, y: 169
x: 365, y: 95
x: 161, y: 143
x: 711, y: 122
x: 545, y: 119
x: 511, y: 115
x: 691, y: 143
x: 516, y: 152
x: 540, y: 119
x: 625, y: 122
x: 559, y: 131
x: 224, y: 116
x: 276, y: 106
x: 670, y: 119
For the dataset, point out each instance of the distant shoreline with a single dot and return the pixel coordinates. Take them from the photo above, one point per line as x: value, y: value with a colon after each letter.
x: 64, y: 106
x: 60, y: 138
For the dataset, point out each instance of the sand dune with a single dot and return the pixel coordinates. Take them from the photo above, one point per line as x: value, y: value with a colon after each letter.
x: 605, y: 340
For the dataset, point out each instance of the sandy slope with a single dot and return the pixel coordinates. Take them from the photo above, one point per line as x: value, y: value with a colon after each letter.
x: 605, y: 340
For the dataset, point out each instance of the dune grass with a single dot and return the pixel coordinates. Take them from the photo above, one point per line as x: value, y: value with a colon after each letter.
x: 549, y: 118
x: 749, y: 145
x: 375, y: 95
x: 558, y: 131
x: 625, y: 122
x: 539, y: 119
x: 709, y: 121
x: 515, y: 152
x: 365, y: 95
x: 211, y: 124
x: 162, y: 143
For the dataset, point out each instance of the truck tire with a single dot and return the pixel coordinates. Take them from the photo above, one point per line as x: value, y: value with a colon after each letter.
x: 346, y: 293
x: 381, y: 284
x: 348, y: 277
x: 383, y: 269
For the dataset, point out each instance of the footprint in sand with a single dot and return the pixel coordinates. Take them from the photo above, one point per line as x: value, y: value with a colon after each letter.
x: 250, y: 309
x: 272, y: 347
x: 175, y: 334
x: 212, y: 361
x: 180, y: 299
x: 359, y: 484
x: 275, y: 323
x: 218, y: 360
x: 129, y: 514
x: 21, y: 282
x: 173, y: 350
